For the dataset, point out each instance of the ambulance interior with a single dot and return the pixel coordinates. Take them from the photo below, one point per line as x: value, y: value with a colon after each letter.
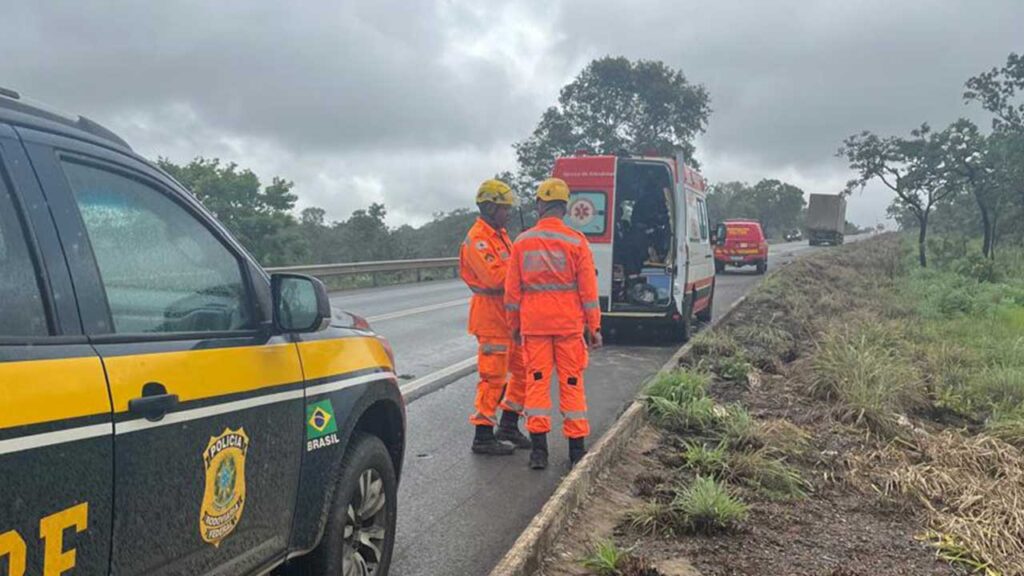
x: 642, y: 254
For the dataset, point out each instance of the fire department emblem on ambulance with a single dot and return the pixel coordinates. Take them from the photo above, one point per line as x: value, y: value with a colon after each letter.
x: 224, y: 497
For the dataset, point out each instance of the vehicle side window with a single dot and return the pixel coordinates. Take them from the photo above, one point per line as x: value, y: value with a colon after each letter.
x: 162, y: 270
x: 703, y: 219
x: 693, y: 210
x: 587, y: 212
x: 22, y: 313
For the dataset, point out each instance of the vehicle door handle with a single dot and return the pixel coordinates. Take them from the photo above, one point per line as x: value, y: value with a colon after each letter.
x: 709, y: 256
x: 154, y: 403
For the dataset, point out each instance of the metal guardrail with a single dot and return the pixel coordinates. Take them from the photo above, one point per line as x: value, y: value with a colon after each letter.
x: 323, y: 271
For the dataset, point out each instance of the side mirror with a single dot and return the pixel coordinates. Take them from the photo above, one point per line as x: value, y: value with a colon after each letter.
x: 301, y: 304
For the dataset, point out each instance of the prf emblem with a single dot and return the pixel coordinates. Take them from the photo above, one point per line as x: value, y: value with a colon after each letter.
x: 224, y: 498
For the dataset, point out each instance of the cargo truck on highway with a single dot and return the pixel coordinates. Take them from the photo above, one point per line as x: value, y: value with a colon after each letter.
x: 826, y: 219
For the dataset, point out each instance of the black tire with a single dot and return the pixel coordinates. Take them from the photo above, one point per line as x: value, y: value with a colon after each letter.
x: 684, y: 327
x: 719, y: 267
x: 366, y: 463
x: 762, y: 266
x: 706, y: 314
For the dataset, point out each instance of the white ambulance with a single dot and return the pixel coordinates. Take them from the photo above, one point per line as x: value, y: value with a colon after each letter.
x: 647, y: 222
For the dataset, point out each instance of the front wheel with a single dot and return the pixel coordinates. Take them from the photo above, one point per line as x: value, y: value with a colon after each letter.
x: 360, y: 533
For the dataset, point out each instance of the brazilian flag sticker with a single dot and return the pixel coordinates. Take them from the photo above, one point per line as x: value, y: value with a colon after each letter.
x: 320, y: 420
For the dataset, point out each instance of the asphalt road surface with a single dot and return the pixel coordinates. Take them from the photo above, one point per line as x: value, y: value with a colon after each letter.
x: 459, y: 513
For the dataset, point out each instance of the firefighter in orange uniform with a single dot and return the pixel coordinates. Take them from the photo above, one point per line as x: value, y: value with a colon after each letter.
x: 551, y: 303
x: 483, y: 262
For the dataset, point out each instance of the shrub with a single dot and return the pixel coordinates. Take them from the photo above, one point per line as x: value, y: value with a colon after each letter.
x: 739, y: 429
x: 703, y: 460
x: 865, y: 371
x: 652, y: 518
x: 769, y: 476
x: 679, y: 401
x: 707, y: 506
x: 606, y: 558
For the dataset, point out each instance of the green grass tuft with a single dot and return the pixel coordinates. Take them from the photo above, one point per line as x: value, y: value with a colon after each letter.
x: 707, y: 506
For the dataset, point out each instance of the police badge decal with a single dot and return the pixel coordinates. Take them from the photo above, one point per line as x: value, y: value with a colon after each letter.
x: 224, y: 498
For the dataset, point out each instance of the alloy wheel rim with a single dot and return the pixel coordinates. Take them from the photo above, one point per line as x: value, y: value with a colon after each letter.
x: 365, y: 527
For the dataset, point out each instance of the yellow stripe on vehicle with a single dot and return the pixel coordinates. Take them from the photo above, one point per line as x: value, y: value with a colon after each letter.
x: 326, y: 358
x: 36, y: 391
x: 200, y: 374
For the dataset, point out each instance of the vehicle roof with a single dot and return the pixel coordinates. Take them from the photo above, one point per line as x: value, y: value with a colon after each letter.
x: 742, y: 221
x: 16, y: 111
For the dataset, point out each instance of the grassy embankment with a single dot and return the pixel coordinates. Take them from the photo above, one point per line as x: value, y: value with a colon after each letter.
x: 855, y: 416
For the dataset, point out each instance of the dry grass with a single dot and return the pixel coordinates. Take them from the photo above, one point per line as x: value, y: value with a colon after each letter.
x: 973, y: 490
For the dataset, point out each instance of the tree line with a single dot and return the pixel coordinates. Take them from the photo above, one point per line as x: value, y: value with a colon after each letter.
x: 613, y: 106
x: 960, y: 179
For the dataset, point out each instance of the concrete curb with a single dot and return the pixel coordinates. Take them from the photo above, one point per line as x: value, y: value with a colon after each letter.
x: 529, y: 550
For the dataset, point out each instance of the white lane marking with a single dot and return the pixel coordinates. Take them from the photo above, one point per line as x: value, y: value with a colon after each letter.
x: 418, y: 310
x: 58, y: 437
x: 435, y: 376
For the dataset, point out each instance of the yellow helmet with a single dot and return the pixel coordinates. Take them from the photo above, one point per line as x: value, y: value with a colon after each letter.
x: 495, y: 191
x: 553, y: 190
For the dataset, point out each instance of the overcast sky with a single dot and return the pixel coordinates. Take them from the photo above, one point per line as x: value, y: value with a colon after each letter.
x: 413, y: 102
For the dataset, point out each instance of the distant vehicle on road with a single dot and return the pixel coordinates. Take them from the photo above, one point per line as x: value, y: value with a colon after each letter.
x: 250, y: 424
x: 826, y: 219
x: 794, y: 235
x: 741, y: 243
x: 647, y: 222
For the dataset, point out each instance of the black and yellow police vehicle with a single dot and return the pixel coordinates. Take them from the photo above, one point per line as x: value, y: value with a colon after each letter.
x: 166, y: 405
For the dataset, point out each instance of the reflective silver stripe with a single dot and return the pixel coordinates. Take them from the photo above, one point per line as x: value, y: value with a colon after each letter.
x: 487, y: 291
x: 513, y: 406
x: 492, y: 348
x: 551, y: 234
x: 580, y: 415
x: 537, y: 412
x: 488, y: 418
x: 511, y: 306
x: 549, y: 287
x: 545, y: 260
x: 591, y: 304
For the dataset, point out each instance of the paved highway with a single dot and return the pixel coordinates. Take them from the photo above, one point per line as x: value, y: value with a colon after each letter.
x: 459, y: 513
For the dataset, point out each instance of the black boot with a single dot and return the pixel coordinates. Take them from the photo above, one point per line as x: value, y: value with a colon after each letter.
x: 539, y: 453
x: 576, y: 450
x: 485, y: 443
x: 508, y: 431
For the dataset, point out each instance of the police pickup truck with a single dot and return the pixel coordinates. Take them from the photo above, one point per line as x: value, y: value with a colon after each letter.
x: 166, y: 405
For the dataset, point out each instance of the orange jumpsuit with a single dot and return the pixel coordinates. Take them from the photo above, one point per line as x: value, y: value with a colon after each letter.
x: 551, y: 297
x: 483, y: 263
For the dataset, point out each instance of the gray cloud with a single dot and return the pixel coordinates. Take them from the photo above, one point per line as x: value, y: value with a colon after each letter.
x: 412, y: 103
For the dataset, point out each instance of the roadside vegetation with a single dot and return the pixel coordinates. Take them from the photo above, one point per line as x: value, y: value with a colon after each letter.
x: 857, y: 415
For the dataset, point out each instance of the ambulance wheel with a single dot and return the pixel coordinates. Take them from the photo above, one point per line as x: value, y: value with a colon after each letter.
x: 719, y: 267
x: 360, y: 533
x: 705, y: 314
x: 762, y: 266
x: 684, y: 326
